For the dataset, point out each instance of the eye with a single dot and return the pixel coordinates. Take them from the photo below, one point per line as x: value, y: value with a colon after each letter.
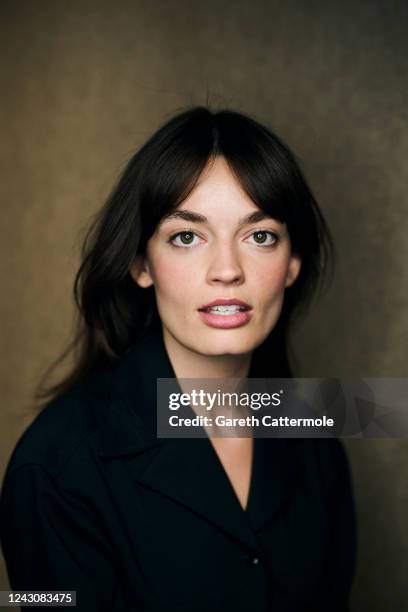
x: 264, y: 238
x: 183, y: 239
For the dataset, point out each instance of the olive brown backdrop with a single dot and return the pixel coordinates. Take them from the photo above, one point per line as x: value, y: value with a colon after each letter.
x: 85, y: 82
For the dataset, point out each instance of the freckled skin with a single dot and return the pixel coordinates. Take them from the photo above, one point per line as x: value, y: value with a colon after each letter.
x: 221, y: 260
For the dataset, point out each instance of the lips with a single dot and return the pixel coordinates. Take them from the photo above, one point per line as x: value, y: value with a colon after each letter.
x: 243, y: 306
x: 226, y: 313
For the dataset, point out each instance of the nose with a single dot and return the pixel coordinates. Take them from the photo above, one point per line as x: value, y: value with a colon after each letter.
x: 225, y: 266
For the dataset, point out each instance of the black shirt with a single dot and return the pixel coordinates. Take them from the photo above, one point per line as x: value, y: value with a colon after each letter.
x: 94, y: 502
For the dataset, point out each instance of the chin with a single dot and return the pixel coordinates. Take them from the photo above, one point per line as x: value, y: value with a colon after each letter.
x: 224, y: 345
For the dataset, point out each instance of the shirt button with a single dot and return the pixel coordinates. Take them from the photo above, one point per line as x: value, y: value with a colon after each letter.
x: 254, y: 560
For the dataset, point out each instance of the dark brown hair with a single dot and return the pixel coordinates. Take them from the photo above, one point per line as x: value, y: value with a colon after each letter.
x: 113, y: 312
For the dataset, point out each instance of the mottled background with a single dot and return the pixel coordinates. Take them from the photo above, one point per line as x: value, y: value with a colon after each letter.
x: 84, y: 82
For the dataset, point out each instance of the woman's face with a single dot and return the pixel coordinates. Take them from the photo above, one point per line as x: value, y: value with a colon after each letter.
x: 210, y: 251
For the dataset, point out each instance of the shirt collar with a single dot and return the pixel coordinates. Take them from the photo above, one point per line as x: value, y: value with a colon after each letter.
x: 130, y: 424
x: 187, y: 469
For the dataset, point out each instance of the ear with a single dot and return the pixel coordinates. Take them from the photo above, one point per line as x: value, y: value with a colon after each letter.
x: 295, y: 264
x: 140, y: 272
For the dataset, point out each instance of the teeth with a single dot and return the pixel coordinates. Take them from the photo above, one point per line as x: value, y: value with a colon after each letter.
x: 225, y: 310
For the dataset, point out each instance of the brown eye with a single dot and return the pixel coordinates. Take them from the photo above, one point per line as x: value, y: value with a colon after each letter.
x: 264, y: 238
x: 183, y: 239
x: 186, y: 238
x: 260, y: 237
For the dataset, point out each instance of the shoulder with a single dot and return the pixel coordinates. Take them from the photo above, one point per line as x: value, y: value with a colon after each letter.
x: 64, y: 425
x: 329, y: 453
x: 332, y: 458
x: 330, y: 463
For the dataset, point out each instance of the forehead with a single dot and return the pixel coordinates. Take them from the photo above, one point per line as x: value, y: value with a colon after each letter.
x: 218, y: 192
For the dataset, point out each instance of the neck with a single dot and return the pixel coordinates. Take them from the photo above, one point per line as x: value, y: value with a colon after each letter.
x: 189, y: 364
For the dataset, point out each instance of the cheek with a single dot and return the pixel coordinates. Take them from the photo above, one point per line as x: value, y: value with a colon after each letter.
x: 270, y: 278
x: 171, y: 280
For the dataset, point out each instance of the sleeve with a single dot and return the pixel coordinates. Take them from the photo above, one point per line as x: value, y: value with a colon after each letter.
x: 51, y: 541
x: 341, y: 565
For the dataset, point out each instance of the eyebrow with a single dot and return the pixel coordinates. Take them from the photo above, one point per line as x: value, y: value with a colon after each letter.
x: 188, y: 215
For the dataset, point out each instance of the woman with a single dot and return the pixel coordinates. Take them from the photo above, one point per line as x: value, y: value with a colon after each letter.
x: 207, y: 246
